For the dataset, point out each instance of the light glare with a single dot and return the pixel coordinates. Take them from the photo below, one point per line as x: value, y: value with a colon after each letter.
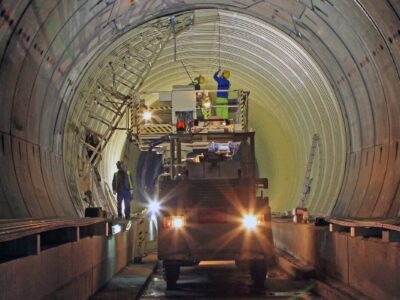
x: 116, y: 229
x: 147, y: 116
x: 177, y: 222
x: 154, y: 207
x: 250, y: 221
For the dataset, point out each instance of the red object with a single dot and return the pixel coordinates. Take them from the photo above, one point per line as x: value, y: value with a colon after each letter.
x: 180, y: 125
x: 167, y: 222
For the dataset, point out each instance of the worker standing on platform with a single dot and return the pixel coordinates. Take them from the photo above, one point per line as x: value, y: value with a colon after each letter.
x: 197, y: 81
x: 202, y: 99
x: 122, y: 186
x: 222, y: 94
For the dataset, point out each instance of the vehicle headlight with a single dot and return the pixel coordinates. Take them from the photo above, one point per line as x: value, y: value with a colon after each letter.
x: 174, y: 222
x: 178, y: 222
x: 251, y: 221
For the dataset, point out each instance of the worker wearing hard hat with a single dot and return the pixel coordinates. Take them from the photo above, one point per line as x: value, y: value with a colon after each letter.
x: 197, y: 81
x: 202, y: 99
x: 222, y: 94
x: 122, y: 186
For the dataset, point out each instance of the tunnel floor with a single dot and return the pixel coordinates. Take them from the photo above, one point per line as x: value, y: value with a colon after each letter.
x: 223, y: 280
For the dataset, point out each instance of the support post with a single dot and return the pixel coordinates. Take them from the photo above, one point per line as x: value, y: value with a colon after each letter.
x: 172, y: 150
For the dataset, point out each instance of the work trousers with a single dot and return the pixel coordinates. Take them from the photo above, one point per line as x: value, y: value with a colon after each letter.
x: 221, y: 111
x: 205, y: 112
x: 124, y: 196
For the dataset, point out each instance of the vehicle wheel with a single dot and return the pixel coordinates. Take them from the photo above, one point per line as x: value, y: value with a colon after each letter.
x: 258, y: 272
x: 171, y: 272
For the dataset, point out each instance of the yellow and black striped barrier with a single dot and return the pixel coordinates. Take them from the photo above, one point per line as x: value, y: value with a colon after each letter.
x: 156, y: 129
x: 157, y: 108
x: 243, y: 112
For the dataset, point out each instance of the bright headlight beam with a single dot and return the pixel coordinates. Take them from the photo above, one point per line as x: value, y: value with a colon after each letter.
x: 177, y: 222
x: 250, y: 221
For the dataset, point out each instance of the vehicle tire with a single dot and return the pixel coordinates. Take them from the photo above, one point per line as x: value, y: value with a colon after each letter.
x: 171, y: 272
x: 258, y: 272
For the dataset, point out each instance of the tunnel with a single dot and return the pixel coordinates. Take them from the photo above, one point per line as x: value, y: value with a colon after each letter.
x: 323, y: 77
x: 319, y: 68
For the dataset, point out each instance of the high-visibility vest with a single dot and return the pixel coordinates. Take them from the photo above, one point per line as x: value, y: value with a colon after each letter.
x: 115, y: 180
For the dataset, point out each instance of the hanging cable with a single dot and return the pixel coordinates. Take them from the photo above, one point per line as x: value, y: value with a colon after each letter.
x: 172, y: 23
x: 187, y: 72
x: 219, y: 41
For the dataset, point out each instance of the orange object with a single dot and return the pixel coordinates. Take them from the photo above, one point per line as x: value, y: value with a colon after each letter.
x: 180, y: 125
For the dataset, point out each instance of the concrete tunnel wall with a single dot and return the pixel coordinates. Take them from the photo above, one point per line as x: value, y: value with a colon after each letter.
x: 46, y: 47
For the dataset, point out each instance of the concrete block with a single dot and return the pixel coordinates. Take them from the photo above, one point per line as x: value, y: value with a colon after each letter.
x: 390, y: 236
x: 74, y: 270
x: 101, y: 273
x: 48, y: 271
x: 338, y: 228
x: 100, y: 248
x: 83, y: 254
x: 78, y: 288
x: 327, y: 252
x: 374, y: 267
x: 365, y: 231
x: 65, y: 270
x: 301, y: 241
x: 121, y: 246
x: 13, y: 279
x: 335, y: 256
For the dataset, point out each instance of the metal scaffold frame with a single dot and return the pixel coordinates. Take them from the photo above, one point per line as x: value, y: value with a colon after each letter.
x: 109, y: 101
x: 145, y: 132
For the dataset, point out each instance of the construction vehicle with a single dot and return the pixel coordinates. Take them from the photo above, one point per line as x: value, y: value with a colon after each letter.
x: 211, y: 202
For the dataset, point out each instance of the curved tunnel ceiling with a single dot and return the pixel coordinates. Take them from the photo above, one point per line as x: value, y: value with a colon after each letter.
x: 290, y: 98
x: 323, y: 67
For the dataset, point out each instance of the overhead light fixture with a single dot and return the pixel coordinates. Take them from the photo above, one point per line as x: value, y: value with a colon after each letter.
x: 147, y: 116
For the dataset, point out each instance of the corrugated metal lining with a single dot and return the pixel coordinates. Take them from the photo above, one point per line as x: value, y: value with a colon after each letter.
x: 48, y: 47
x: 284, y: 82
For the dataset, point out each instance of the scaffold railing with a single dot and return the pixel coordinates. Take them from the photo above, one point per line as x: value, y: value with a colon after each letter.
x: 157, y: 114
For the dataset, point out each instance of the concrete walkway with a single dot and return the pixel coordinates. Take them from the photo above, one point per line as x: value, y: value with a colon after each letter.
x: 130, y: 282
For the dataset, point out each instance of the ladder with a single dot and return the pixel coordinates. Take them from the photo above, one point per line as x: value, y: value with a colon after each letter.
x: 117, y: 103
x: 307, y: 177
x: 118, y: 96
